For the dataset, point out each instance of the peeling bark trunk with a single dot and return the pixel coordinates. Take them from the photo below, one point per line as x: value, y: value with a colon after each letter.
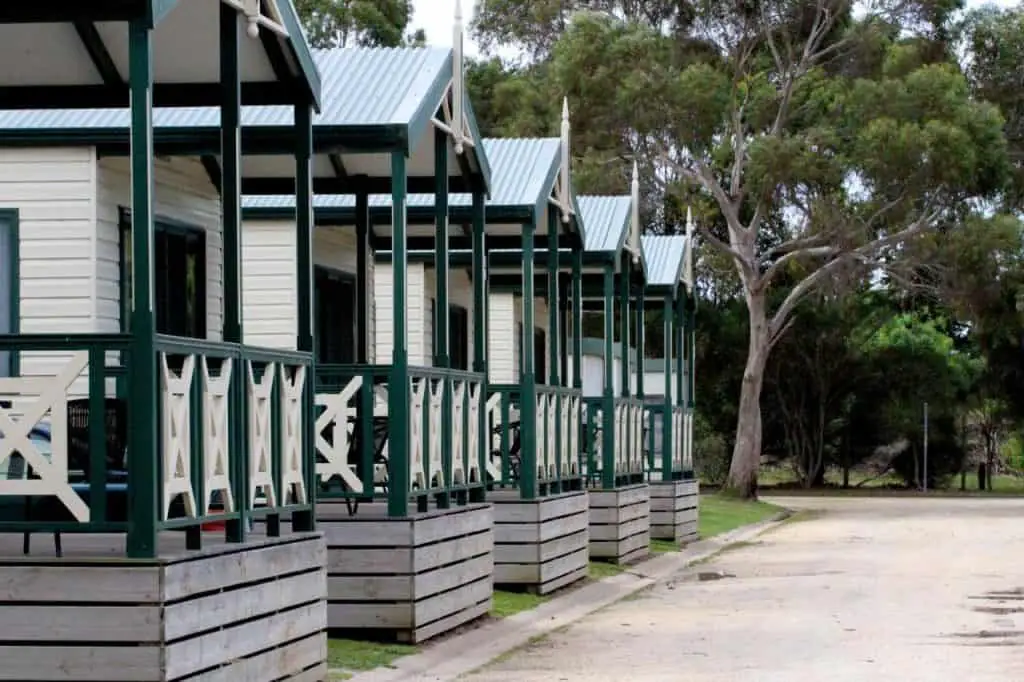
x: 746, y: 454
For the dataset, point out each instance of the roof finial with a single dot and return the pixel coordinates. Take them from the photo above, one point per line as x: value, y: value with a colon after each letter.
x: 566, y: 162
x: 457, y: 76
x: 634, y: 233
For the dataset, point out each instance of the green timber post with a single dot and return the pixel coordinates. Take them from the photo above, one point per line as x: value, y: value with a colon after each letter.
x: 554, y: 337
x: 691, y: 350
x: 608, y: 409
x: 640, y: 340
x: 231, y: 203
x: 231, y: 184
x: 528, y: 380
x: 680, y: 318
x: 480, y: 329
x: 305, y: 520
x: 554, y: 300
x: 442, y: 355
x: 362, y: 276
x: 668, y: 334
x: 398, y: 381
x: 564, y: 296
x: 577, y: 317
x: 143, y: 469
x: 625, y: 324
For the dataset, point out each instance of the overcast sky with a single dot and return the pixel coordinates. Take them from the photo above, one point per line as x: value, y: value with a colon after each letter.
x: 437, y: 16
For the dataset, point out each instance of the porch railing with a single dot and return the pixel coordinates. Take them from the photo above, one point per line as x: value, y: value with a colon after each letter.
x: 231, y: 423
x: 552, y: 465
x: 614, y: 441
x: 676, y: 461
x: 354, y: 429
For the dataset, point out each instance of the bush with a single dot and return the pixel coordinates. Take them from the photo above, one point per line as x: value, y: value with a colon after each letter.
x: 711, y: 456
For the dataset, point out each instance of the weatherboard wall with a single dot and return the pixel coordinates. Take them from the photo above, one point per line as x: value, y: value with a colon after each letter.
x: 416, y: 311
x: 68, y: 202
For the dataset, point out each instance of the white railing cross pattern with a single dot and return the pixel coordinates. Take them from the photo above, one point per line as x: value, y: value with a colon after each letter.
x: 176, y: 435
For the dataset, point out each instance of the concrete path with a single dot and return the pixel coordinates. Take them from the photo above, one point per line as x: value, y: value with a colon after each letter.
x: 907, y: 590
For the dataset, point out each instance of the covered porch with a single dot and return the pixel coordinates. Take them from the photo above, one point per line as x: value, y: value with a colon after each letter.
x: 139, y: 432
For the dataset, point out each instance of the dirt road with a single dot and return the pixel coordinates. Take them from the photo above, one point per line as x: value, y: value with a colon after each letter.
x: 870, y: 590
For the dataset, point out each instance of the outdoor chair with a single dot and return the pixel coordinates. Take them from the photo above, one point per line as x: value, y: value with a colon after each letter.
x: 514, y: 450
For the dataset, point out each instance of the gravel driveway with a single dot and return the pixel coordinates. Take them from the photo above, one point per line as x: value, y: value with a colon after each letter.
x: 869, y: 590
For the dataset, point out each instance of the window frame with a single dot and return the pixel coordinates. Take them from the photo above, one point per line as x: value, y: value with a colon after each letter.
x: 10, y: 219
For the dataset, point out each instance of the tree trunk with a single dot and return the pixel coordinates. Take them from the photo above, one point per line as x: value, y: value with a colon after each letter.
x: 746, y: 454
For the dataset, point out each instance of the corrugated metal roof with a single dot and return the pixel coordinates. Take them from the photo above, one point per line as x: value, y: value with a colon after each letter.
x: 607, y: 220
x: 522, y: 173
x: 361, y: 86
x: 663, y: 258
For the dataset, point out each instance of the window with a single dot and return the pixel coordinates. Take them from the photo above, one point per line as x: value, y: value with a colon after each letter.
x: 540, y: 355
x: 334, y: 298
x: 458, y: 334
x: 179, y: 273
x: 9, y: 275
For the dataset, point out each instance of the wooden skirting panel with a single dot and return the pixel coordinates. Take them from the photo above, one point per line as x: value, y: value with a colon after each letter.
x: 413, y: 577
x: 541, y: 544
x: 620, y: 523
x: 674, y: 510
x: 253, y: 612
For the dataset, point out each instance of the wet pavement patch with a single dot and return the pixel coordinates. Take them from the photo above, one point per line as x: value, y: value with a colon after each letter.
x: 708, y: 576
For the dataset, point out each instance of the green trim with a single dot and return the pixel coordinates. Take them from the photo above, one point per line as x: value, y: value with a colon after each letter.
x: 231, y: 172
x: 10, y: 219
x: 302, y: 53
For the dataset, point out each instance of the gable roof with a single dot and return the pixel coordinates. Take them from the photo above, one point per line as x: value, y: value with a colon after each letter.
x: 664, y: 257
x: 607, y: 219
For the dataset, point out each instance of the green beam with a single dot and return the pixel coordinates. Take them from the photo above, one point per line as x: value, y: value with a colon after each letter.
x: 363, y: 283
x: 398, y: 382
x: 608, y: 425
x: 231, y: 162
x: 442, y: 263
x: 577, y: 319
x: 667, y: 435
x: 554, y: 335
x: 528, y: 376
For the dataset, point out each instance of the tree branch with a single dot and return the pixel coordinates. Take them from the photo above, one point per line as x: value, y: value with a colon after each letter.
x: 862, y: 253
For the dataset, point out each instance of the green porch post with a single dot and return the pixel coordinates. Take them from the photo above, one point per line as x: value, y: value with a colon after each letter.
x: 577, y: 317
x: 362, y: 276
x: 528, y: 378
x: 640, y: 340
x: 398, y: 381
x: 303, y: 117
x: 442, y: 262
x: 691, y: 354
x: 231, y: 207
x: 680, y: 324
x: 554, y: 300
x: 564, y: 295
x: 480, y: 330
x: 624, y: 324
x: 231, y: 158
x: 668, y: 334
x: 608, y: 422
x: 143, y: 471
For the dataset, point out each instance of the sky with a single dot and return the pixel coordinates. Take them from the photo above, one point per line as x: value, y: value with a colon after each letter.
x: 437, y: 16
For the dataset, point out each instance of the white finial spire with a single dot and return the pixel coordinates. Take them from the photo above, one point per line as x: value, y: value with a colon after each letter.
x: 688, y: 263
x: 566, y: 130
x: 634, y: 233
x: 457, y: 76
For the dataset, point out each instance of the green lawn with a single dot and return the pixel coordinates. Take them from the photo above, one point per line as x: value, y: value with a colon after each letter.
x: 350, y: 654
x: 603, y: 569
x: 507, y: 604
x: 720, y: 514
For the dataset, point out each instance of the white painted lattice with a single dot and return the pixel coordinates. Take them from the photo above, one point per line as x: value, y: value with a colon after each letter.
x: 475, y: 391
x: 636, y: 438
x: 435, y: 461
x: 677, y: 439
x: 216, y: 448
x: 33, y: 399
x: 621, y: 449
x: 176, y: 434
x: 688, y: 442
x: 572, y: 437
x: 551, y: 422
x: 418, y: 394
x: 493, y: 408
x: 261, y: 435
x: 338, y: 420
x: 458, y: 446
x: 293, y: 482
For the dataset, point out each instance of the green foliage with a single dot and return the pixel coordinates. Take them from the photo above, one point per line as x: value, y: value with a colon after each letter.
x: 366, y: 23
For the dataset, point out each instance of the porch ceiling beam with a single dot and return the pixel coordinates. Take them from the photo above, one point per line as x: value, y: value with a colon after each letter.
x: 98, y: 53
x: 339, y: 166
x: 116, y: 96
x: 378, y: 185
x: 62, y: 11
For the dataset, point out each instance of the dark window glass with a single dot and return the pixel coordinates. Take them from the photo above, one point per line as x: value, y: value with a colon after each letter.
x: 335, y: 323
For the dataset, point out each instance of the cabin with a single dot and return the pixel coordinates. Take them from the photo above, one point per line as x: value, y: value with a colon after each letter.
x: 400, y: 460
x: 157, y: 485
x: 613, y: 284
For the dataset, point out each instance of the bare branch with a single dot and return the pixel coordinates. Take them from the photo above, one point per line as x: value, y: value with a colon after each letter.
x: 863, y: 254
x: 777, y: 266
